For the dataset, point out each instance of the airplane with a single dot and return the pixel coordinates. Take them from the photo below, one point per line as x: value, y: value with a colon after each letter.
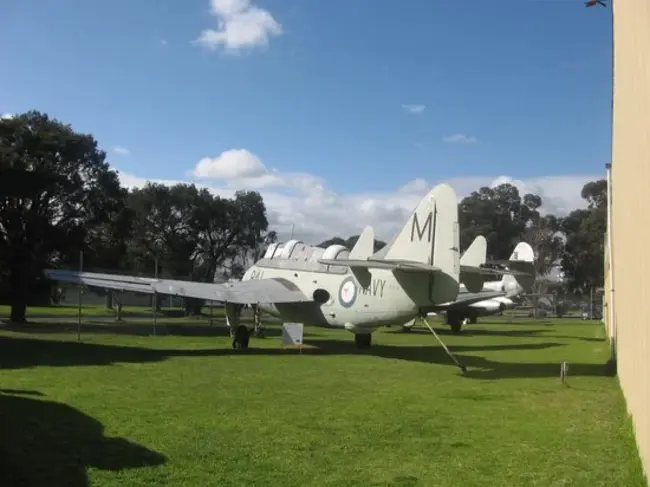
x: 355, y: 290
x: 468, y: 306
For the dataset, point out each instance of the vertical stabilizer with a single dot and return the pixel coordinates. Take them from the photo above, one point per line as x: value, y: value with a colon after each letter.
x: 476, y: 253
x: 365, y: 246
x: 522, y: 259
x: 474, y: 256
x: 430, y: 236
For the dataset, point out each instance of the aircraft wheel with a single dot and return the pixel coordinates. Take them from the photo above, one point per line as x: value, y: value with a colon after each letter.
x: 473, y: 319
x: 362, y: 340
x: 455, y: 321
x: 242, y: 336
x: 456, y: 326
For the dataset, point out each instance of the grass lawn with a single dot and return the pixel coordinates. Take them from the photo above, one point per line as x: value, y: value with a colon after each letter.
x: 123, y: 408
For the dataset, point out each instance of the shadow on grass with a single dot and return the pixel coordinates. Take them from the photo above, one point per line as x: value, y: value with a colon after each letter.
x: 24, y: 352
x: 217, y: 329
x: 44, y: 443
x: 514, y: 333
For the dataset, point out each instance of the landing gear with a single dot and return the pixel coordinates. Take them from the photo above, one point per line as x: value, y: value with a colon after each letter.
x: 240, y: 335
x: 362, y: 340
x: 240, y: 338
x: 257, y: 323
x: 455, y: 321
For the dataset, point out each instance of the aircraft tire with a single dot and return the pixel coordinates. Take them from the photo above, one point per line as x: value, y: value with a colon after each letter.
x: 242, y: 336
x: 363, y: 340
x: 456, y: 327
x: 473, y: 319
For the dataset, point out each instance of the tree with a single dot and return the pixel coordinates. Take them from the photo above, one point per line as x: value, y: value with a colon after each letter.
x: 232, y: 232
x: 165, y: 228
x: 582, y: 259
x: 543, y: 235
x: 499, y: 214
x: 80, y: 194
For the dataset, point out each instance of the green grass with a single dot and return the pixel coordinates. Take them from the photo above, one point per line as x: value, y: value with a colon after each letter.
x: 123, y: 408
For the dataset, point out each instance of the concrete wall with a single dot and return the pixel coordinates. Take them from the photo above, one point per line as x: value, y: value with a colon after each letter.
x: 630, y: 212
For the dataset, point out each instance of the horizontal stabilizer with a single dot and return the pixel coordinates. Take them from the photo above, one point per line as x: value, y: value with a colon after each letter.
x: 486, y: 271
x: 402, y: 265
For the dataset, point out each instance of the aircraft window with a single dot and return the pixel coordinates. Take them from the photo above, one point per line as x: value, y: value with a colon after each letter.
x: 316, y: 253
x: 344, y: 254
x: 334, y: 250
x: 278, y: 251
x: 301, y: 252
x: 271, y: 250
x: 289, y: 248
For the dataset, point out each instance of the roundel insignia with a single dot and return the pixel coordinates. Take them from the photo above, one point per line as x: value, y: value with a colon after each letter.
x: 347, y: 292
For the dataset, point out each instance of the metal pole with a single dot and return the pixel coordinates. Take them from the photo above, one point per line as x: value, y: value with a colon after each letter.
x: 155, y: 296
x: 81, y: 268
x: 591, y: 303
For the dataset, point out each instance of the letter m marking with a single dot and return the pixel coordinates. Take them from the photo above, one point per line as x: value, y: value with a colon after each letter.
x: 421, y: 231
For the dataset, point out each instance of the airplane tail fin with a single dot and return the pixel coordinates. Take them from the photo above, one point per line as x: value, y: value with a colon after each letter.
x: 474, y: 256
x: 522, y: 260
x: 430, y: 237
x: 476, y: 253
x: 365, y: 245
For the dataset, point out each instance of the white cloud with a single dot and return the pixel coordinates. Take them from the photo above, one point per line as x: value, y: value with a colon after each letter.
x: 123, y: 151
x: 239, y: 24
x: 415, y: 109
x: 6, y: 116
x: 319, y: 212
x: 460, y: 139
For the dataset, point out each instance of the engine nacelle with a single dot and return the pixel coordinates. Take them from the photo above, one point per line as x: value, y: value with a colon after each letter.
x: 488, y: 306
x: 505, y: 301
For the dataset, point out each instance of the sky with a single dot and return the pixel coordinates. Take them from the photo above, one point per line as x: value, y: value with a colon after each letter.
x: 341, y: 113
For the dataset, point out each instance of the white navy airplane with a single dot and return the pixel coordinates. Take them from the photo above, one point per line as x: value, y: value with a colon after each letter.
x: 468, y: 306
x: 355, y: 290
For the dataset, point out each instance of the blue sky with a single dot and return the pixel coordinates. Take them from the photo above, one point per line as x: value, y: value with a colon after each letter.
x: 323, y: 103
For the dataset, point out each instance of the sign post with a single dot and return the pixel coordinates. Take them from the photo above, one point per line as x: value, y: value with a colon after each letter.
x: 292, y: 334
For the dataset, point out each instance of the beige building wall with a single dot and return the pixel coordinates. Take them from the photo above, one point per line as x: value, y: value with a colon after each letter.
x: 630, y: 210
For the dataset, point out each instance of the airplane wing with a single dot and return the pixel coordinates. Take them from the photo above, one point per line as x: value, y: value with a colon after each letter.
x: 273, y: 290
x: 468, y: 299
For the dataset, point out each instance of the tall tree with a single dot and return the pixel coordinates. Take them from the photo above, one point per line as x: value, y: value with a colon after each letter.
x: 81, y: 194
x: 231, y: 231
x: 499, y: 214
x: 165, y: 228
x: 582, y: 259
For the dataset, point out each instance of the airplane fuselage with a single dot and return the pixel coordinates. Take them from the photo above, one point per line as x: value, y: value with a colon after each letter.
x: 341, y: 300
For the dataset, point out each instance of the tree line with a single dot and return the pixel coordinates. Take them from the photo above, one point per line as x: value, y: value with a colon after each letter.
x: 60, y: 199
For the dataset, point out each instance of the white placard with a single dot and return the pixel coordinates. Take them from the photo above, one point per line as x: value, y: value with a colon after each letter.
x: 292, y: 333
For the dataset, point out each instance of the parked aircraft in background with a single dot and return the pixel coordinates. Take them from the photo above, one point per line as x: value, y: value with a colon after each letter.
x: 468, y: 306
x: 334, y: 287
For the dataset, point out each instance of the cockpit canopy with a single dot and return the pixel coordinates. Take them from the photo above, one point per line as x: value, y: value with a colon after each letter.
x: 296, y: 250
